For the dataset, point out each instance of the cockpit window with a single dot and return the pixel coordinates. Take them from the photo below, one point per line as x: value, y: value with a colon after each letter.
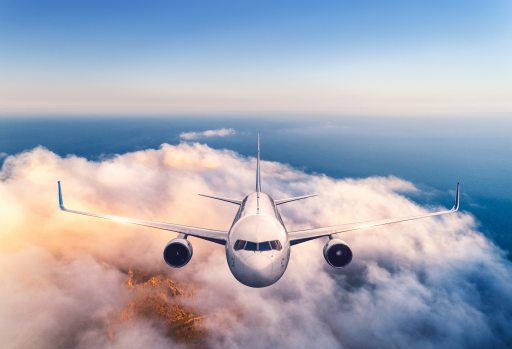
x: 253, y: 246
x: 276, y: 245
x: 264, y: 246
x: 239, y: 245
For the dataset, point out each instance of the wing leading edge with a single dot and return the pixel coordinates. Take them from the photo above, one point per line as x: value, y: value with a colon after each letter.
x: 217, y: 236
x: 299, y: 236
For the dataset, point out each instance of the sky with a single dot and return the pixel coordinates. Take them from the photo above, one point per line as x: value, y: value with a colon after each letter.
x: 256, y: 57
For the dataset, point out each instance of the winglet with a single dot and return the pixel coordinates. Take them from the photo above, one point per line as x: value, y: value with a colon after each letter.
x: 456, y: 205
x: 61, y: 202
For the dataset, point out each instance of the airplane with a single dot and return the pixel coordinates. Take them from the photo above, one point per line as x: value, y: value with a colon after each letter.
x: 257, y: 244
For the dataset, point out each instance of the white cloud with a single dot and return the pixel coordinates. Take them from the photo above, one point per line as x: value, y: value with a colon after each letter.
x: 432, y: 283
x: 194, y: 135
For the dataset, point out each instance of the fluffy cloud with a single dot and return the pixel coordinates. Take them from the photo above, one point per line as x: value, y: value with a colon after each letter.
x: 193, y: 135
x: 68, y: 281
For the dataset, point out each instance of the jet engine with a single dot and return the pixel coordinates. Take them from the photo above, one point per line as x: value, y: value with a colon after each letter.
x: 337, y: 253
x: 178, y: 252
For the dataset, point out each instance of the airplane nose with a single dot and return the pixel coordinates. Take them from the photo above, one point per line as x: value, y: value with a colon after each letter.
x: 259, y: 262
x: 256, y: 271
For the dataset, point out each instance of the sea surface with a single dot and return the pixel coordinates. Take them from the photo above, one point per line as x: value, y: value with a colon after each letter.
x: 433, y: 153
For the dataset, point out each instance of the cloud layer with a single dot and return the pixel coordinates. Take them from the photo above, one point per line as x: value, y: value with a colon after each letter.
x: 193, y: 135
x: 65, y: 279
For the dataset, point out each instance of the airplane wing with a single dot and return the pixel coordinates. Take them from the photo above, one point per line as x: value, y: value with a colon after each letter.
x: 217, y: 236
x: 299, y: 236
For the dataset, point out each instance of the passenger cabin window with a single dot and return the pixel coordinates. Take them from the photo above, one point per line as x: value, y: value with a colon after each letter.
x: 253, y: 246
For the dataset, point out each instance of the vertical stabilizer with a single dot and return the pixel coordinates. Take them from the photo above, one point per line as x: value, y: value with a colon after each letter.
x: 258, y: 178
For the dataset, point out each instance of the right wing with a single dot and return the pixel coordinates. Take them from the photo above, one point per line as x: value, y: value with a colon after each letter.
x: 217, y: 236
x: 299, y: 236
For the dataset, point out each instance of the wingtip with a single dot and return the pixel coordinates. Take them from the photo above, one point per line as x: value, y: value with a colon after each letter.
x: 61, y: 202
x: 457, y: 198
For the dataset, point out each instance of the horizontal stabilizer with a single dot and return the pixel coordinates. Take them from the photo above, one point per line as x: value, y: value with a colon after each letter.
x: 284, y: 201
x: 232, y: 201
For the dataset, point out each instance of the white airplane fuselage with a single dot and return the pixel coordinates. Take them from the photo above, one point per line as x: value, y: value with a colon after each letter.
x: 258, y: 221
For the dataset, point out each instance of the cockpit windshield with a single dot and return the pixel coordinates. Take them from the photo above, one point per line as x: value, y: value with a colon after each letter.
x: 257, y: 246
x: 251, y: 246
x: 264, y: 246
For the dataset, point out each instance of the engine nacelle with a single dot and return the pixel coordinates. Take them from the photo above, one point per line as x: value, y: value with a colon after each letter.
x: 337, y: 253
x: 178, y: 252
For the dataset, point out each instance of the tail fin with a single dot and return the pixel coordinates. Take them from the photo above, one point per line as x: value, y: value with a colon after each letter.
x: 258, y: 178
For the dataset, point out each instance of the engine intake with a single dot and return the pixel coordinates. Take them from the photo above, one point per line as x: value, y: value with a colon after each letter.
x: 178, y: 252
x: 337, y: 253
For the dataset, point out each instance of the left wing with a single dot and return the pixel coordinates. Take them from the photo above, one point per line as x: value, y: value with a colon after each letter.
x: 217, y: 236
x: 299, y: 236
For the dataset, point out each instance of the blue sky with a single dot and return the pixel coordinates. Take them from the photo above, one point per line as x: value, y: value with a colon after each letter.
x: 251, y: 57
